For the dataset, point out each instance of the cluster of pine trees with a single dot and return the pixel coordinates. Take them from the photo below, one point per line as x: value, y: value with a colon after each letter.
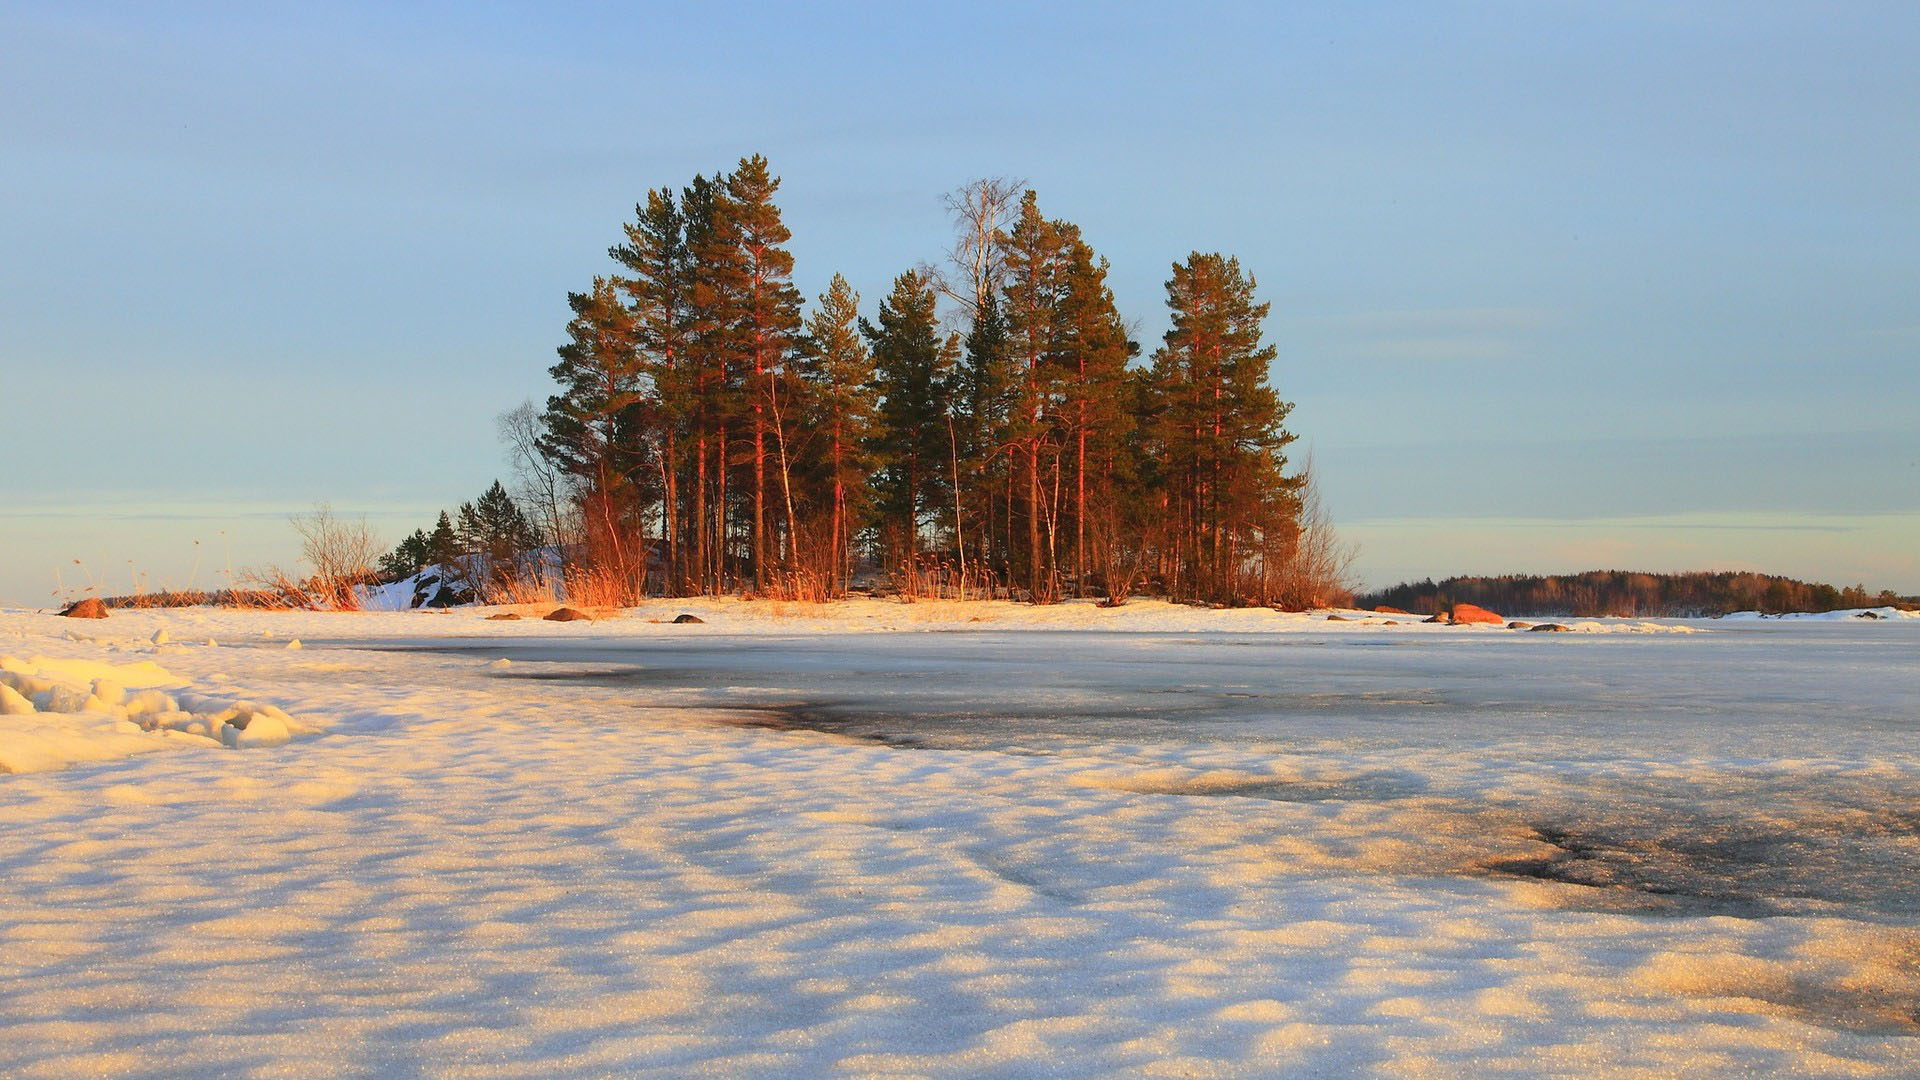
x: 711, y: 435
x: 489, y: 538
x: 1599, y: 593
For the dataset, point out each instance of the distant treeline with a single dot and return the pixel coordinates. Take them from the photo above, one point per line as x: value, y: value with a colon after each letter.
x: 1618, y: 592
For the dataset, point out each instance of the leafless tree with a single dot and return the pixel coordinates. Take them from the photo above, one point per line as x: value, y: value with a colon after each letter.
x: 981, y: 210
x: 1318, y: 570
x: 537, y: 481
x: 341, y: 553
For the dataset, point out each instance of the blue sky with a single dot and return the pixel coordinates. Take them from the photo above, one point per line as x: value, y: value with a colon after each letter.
x: 1555, y: 285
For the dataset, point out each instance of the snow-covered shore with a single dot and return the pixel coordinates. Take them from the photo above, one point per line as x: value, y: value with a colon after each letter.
x: 1154, y: 841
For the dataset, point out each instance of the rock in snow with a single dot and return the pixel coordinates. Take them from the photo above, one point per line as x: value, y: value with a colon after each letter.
x: 1471, y: 614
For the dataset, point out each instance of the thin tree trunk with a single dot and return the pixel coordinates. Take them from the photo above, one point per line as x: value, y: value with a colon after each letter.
x: 700, y: 514
x: 959, y: 537
x: 786, y: 473
x: 1034, y: 567
x: 842, y: 568
x: 1080, y: 510
x: 722, y: 547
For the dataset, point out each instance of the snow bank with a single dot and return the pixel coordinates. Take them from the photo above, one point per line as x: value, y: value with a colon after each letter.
x: 1844, y: 615
x: 56, y: 712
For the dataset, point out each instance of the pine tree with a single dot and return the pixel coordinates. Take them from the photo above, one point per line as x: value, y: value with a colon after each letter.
x: 496, y: 527
x: 443, y: 545
x: 912, y: 362
x: 406, y: 559
x: 838, y: 369
x: 1095, y: 349
x: 597, y: 424
x: 712, y: 380
x: 769, y: 314
x: 1219, y: 428
x: 1035, y: 251
x: 986, y: 395
x: 467, y: 529
x: 657, y: 282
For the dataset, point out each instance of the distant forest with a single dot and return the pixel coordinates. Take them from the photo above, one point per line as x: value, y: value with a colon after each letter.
x: 1618, y: 592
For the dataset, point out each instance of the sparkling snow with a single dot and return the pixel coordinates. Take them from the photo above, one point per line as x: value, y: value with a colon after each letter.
x: 998, y: 842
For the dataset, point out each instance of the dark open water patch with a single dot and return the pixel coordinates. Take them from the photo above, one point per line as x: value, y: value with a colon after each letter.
x: 1691, y: 861
x: 611, y: 676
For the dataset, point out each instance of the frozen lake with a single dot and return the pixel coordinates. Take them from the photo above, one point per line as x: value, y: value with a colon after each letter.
x: 1758, y: 768
x: 1198, y: 843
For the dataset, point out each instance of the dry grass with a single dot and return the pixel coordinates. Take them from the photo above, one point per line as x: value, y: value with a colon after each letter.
x: 273, y: 589
x: 520, y: 589
x: 798, y: 586
x: 589, y: 585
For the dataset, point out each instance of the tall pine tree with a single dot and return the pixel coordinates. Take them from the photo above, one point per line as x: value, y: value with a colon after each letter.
x: 1034, y: 252
x: 839, y: 371
x: 769, y: 320
x: 1219, y: 429
x: 596, y: 425
x: 657, y: 281
x: 912, y: 362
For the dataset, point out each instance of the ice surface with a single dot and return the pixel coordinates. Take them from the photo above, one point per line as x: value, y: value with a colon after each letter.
x: 793, y: 845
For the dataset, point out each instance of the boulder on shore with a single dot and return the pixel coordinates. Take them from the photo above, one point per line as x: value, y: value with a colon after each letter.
x: 90, y: 608
x: 567, y: 614
x: 1471, y: 614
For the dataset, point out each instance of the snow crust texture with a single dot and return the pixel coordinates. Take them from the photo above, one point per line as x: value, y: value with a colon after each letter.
x: 785, y: 845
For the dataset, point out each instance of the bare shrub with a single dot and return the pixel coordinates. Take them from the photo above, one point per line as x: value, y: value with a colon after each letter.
x: 520, y: 589
x: 1317, y: 569
x: 273, y: 589
x: 590, y: 584
x: 800, y: 585
x: 343, y: 555
x: 538, y: 481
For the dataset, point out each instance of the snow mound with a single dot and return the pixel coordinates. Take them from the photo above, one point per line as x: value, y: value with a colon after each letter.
x: 1589, y: 626
x: 1844, y: 615
x: 58, y: 712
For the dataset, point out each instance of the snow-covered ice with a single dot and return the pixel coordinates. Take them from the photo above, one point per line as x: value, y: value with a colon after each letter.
x: 995, y: 841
